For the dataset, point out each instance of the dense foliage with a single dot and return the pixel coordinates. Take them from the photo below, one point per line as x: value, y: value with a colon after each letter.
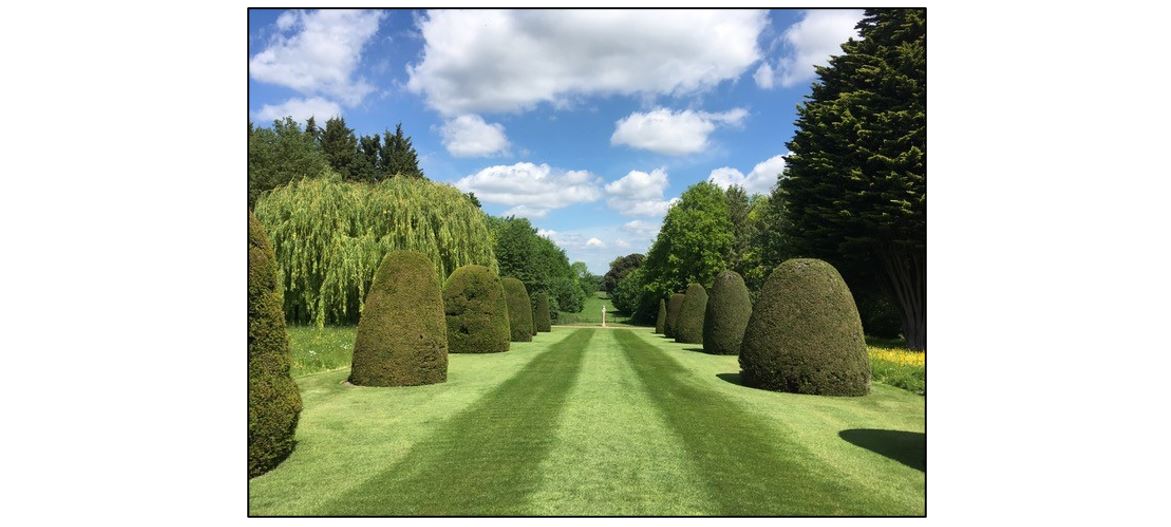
x: 689, y: 323
x: 728, y: 309
x: 402, y: 334
x: 661, y: 319
x: 331, y: 235
x: 541, y: 320
x: 855, y: 185
x: 477, y: 314
x: 804, y: 335
x: 537, y: 262
x: 368, y: 158
x: 618, y: 268
x: 520, y: 310
x: 674, y: 304
x: 279, y: 155
x: 274, y: 403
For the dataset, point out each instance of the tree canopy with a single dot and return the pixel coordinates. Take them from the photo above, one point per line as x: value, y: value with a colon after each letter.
x: 279, y: 155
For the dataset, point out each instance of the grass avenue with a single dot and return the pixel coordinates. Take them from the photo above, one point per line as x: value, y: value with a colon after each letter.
x: 595, y: 422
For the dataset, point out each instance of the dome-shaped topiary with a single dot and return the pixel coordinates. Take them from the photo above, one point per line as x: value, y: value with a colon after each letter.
x: 541, y: 312
x: 661, y: 320
x: 274, y: 403
x: 674, y: 303
x: 728, y: 309
x: 689, y: 324
x: 520, y: 310
x: 402, y: 333
x: 477, y: 314
x: 804, y: 335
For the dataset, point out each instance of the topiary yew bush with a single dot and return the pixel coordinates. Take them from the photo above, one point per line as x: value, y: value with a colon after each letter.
x: 804, y: 335
x: 520, y: 310
x: 689, y: 325
x: 477, y: 314
x: 402, y: 333
x: 274, y: 403
x: 541, y: 320
x: 728, y: 309
x: 661, y: 320
x: 673, y: 304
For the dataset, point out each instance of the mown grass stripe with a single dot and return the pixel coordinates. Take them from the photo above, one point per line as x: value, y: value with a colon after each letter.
x: 750, y: 469
x: 485, y: 460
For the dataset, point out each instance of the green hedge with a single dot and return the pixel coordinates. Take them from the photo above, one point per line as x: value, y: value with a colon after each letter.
x: 804, y: 335
x: 274, y: 403
x: 728, y: 309
x: 661, y: 320
x: 477, y: 314
x: 674, y: 303
x: 689, y: 325
x: 541, y: 320
x: 520, y: 310
x: 402, y: 333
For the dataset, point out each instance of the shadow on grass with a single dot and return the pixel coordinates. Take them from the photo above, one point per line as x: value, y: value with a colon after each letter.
x: 733, y: 378
x: 700, y: 349
x: 908, y: 448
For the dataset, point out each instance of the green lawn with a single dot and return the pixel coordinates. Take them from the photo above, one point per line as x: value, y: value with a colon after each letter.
x: 591, y: 313
x: 596, y: 422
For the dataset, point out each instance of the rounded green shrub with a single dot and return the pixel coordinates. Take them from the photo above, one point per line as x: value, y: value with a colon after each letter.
x: 274, y: 403
x: 661, y: 320
x: 689, y: 325
x: 804, y: 335
x: 674, y: 302
x: 728, y: 309
x: 541, y: 320
x: 520, y: 310
x: 402, y: 333
x: 477, y: 314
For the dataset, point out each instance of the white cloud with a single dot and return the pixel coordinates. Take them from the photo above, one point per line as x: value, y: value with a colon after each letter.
x: 641, y: 228
x: 532, y: 190
x: 594, y: 242
x: 622, y: 244
x: 503, y: 61
x: 547, y: 233
x: 669, y: 132
x: 640, y: 194
x: 469, y: 135
x: 299, y: 109
x: 759, y: 181
x: 316, y: 53
x: 808, y: 43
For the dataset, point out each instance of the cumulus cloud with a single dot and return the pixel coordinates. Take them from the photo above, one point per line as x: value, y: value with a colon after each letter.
x: 594, y: 242
x: 532, y: 190
x: 622, y: 244
x: 669, y: 132
x: 299, y: 109
x: 809, y: 43
x: 640, y: 194
x: 316, y: 53
x: 759, y: 181
x: 470, y: 136
x: 504, y: 61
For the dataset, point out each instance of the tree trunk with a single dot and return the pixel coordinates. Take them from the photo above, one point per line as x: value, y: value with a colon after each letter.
x: 906, y: 274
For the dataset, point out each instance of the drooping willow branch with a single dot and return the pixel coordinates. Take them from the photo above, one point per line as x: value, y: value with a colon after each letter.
x: 330, y: 236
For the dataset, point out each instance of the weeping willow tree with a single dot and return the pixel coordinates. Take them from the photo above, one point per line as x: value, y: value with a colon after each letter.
x: 330, y: 236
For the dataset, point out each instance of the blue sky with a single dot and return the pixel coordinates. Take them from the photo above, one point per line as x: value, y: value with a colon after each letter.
x: 587, y: 122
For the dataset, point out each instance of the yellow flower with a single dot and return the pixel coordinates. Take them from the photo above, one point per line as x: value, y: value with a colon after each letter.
x: 899, y: 356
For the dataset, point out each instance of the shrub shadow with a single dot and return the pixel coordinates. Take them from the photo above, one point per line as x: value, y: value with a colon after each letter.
x: 908, y: 448
x: 733, y: 378
x: 693, y: 349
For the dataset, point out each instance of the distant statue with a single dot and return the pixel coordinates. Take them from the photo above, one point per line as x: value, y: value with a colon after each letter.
x: 603, y: 316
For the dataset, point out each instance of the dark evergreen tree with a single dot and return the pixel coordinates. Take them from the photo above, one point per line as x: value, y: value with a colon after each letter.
x: 855, y: 185
x: 370, y: 148
x: 341, y: 149
x: 398, y: 155
x: 312, y: 131
x: 279, y: 155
